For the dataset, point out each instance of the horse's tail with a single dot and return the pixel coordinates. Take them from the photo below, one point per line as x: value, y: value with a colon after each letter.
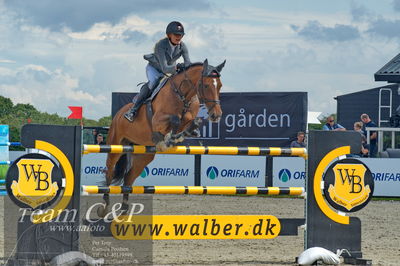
x: 121, y: 169
x: 122, y: 165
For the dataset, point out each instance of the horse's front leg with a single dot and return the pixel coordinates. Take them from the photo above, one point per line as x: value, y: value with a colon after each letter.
x: 173, y: 136
x: 193, y: 129
x: 189, y: 128
x: 165, y: 127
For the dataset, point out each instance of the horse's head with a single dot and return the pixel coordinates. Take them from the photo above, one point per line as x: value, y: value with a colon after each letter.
x: 208, y: 89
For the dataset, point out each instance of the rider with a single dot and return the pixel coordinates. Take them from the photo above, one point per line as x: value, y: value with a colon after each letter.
x: 161, y: 62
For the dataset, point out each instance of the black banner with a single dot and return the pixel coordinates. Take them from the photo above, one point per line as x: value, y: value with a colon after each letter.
x: 268, y: 119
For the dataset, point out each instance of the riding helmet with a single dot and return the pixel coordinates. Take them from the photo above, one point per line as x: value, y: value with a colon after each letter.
x: 175, y: 27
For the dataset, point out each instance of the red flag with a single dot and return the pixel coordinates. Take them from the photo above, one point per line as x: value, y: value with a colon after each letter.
x: 76, y: 112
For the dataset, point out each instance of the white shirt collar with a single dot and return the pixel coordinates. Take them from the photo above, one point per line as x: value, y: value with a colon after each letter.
x: 172, y: 46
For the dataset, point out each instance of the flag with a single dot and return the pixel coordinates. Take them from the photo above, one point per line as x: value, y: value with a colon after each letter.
x: 76, y: 112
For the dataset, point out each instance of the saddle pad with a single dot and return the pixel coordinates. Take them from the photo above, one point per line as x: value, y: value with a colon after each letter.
x: 158, y: 88
x: 155, y: 92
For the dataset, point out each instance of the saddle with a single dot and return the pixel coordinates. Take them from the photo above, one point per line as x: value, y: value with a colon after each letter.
x: 154, y: 93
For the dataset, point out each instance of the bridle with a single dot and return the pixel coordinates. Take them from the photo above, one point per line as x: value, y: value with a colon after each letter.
x: 202, y: 98
x: 199, y: 91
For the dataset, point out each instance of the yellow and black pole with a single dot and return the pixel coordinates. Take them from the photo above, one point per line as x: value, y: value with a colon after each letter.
x: 203, y: 150
x: 195, y: 190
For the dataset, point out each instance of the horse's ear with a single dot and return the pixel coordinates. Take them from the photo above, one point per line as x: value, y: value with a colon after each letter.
x: 205, y: 67
x: 221, y: 66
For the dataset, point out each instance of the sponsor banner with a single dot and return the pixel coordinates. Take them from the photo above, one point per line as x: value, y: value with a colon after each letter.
x: 168, y: 170
x: 4, y: 139
x: 386, y: 174
x: 165, y: 170
x: 288, y: 172
x: 267, y: 119
x: 142, y: 227
x: 14, y: 155
x: 224, y: 170
x: 93, y: 167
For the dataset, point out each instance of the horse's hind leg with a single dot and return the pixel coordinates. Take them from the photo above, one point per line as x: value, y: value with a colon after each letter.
x: 112, y: 160
x: 139, y: 162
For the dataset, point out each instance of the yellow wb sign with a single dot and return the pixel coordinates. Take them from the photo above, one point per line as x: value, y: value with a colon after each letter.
x: 34, y: 186
x: 349, y: 189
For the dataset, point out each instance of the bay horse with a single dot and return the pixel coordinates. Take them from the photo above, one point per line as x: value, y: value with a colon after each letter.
x: 163, y: 122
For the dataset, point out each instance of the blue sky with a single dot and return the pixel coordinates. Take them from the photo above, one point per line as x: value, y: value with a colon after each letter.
x: 55, y: 53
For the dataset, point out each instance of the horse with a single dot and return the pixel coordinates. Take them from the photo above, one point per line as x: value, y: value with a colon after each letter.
x: 162, y: 122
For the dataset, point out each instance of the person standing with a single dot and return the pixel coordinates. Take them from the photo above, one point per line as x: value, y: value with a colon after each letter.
x: 373, y: 135
x: 364, y: 146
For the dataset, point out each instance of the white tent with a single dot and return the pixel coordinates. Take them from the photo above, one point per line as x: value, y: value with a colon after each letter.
x: 312, y: 117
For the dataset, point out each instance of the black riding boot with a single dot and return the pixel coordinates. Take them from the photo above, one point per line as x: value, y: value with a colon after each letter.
x: 143, y: 95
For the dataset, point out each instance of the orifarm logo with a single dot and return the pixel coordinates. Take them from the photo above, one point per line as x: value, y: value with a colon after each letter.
x: 145, y: 172
x: 213, y: 172
x: 284, y: 175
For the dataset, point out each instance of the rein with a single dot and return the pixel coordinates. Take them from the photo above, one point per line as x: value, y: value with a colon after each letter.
x: 181, y: 95
x: 199, y: 92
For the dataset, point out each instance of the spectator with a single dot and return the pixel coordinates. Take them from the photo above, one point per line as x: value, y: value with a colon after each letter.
x: 299, y: 143
x: 94, y: 133
x: 364, y: 146
x: 373, y: 135
x: 330, y: 125
x: 100, y: 139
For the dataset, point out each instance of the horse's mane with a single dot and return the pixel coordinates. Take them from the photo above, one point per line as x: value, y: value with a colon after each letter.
x: 189, y: 67
x: 195, y: 64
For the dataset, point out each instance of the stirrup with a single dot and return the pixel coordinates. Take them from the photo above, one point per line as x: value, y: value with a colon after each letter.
x: 130, y: 115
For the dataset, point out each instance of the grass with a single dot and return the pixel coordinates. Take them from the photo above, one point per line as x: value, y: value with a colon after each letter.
x: 3, y: 171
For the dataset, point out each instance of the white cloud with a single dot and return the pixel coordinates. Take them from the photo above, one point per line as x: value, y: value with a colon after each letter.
x: 6, y: 61
x: 105, y: 30
x: 48, y: 90
x: 83, y: 64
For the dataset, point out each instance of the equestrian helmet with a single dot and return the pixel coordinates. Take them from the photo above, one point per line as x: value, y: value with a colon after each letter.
x: 175, y: 27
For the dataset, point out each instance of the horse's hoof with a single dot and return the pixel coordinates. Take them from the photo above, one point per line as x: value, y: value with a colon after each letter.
x: 197, y: 121
x: 102, y: 210
x: 161, y: 147
x: 180, y: 139
x: 196, y: 133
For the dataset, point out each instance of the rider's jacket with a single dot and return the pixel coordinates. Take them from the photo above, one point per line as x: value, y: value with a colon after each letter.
x: 165, y: 56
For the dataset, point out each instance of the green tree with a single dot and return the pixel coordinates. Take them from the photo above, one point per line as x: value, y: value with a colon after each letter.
x: 6, y: 106
x: 105, y: 121
x: 17, y: 115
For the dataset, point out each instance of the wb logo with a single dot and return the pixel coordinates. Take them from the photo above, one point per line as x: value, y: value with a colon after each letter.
x: 41, y: 178
x: 348, y: 185
x: 352, y: 180
x: 34, y: 185
x: 208, y: 130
